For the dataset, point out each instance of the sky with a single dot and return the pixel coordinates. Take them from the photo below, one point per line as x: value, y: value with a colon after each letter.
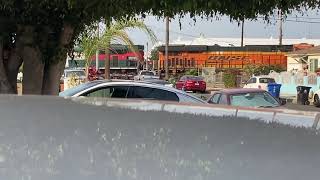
x: 296, y: 26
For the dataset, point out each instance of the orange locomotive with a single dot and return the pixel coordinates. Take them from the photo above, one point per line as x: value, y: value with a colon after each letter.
x: 192, y: 57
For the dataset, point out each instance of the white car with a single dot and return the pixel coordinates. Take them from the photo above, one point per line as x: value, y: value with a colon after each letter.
x: 146, y: 75
x: 79, y: 74
x: 316, y: 98
x: 259, y: 82
x: 130, y: 90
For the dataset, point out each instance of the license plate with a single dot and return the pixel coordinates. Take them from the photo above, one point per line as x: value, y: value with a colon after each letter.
x: 197, y: 84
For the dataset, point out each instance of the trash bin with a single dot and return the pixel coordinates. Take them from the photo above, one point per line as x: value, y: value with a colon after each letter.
x: 274, y: 89
x: 303, y: 95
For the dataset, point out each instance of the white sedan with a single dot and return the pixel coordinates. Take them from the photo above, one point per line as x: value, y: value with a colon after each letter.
x: 132, y: 90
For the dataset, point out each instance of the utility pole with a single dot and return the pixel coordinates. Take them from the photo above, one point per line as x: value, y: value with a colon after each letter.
x: 147, y: 65
x: 280, y: 27
x: 167, y: 49
x: 107, y: 53
x: 242, y: 32
x: 97, y: 51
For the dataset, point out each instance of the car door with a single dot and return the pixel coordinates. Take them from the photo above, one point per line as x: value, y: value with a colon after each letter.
x: 148, y: 93
x: 108, y: 92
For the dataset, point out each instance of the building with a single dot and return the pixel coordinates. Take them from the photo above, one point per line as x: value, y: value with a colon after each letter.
x: 304, y: 59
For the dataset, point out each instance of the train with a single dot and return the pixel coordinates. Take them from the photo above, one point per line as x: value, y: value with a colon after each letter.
x: 184, y: 57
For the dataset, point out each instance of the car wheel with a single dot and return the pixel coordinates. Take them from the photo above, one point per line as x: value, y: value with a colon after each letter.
x: 316, y: 101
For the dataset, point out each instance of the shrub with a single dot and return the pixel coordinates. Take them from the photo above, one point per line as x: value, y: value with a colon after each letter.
x: 229, y: 79
x: 192, y: 72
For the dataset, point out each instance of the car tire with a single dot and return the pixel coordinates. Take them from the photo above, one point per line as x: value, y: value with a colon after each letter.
x: 316, y: 101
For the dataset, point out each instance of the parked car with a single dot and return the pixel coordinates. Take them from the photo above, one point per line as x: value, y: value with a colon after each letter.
x: 130, y: 89
x: 191, y: 83
x: 245, y: 98
x: 259, y: 82
x: 78, y: 74
x: 145, y: 75
x: 316, y: 98
x: 159, y: 81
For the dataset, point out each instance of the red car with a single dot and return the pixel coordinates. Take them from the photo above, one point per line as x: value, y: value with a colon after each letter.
x: 191, y: 83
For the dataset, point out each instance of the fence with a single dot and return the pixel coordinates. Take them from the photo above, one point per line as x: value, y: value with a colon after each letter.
x: 212, y: 78
x: 290, y: 80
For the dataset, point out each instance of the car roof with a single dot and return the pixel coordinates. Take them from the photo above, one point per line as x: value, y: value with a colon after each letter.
x: 241, y: 90
x: 144, y: 83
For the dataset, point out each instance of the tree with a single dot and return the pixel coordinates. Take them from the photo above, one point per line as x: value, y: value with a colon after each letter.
x: 116, y: 31
x: 40, y: 33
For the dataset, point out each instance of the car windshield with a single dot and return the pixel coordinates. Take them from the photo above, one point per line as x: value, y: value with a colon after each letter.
x: 147, y: 73
x: 256, y: 99
x: 266, y: 80
x: 75, y: 73
x: 75, y: 90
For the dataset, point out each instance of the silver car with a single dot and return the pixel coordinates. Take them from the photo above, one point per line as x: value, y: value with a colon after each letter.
x: 132, y: 90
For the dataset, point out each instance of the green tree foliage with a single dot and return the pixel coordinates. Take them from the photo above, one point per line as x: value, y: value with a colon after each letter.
x: 154, y: 54
x: 42, y: 32
x: 258, y: 70
x: 230, y: 78
x: 115, y: 32
x: 192, y: 72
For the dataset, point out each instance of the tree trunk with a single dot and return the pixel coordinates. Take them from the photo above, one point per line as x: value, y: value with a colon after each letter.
x: 5, y: 87
x: 51, y: 79
x: 53, y: 71
x: 107, y: 65
x: 33, y: 69
x: 32, y: 58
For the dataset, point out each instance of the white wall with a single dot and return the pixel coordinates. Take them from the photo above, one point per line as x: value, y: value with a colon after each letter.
x: 292, y: 63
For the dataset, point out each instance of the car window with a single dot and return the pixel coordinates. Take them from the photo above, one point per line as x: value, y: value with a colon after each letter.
x: 215, y: 99
x: 223, y: 100
x: 109, y: 92
x: 152, y: 93
x: 77, y: 89
x: 266, y: 80
x: 183, y: 78
x: 194, y: 78
x: 258, y: 99
x: 252, y: 81
x: 189, y: 99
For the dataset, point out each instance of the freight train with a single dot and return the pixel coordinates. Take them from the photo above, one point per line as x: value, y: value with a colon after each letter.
x: 186, y: 57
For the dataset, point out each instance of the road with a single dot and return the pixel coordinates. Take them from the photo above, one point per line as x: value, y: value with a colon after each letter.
x: 288, y: 105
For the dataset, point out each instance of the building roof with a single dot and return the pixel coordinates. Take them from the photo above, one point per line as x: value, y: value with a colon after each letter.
x: 309, y: 51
